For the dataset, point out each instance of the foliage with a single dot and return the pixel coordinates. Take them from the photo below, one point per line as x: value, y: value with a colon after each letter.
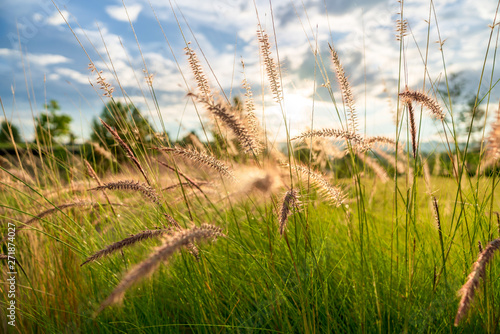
x: 51, y: 126
x: 468, y: 114
x: 9, y: 133
x: 128, y: 122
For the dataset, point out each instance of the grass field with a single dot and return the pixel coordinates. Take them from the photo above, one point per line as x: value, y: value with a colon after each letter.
x: 331, y: 272
x: 337, y: 233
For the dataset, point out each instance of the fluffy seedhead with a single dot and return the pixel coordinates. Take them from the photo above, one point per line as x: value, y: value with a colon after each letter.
x: 494, y: 138
x: 468, y: 290
x: 345, y: 89
x: 356, y: 140
x: 143, y: 188
x: 200, y: 158
x: 335, y: 194
x: 401, y: 29
x: 132, y: 240
x: 413, y: 128
x: 437, y: 217
x: 251, y: 119
x: 162, y: 253
x: 431, y: 104
x: 273, y: 72
x: 370, y: 142
x: 199, y: 74
x: 290, y: 200
x: 101, y: 81
x: 224, y: 112
x: 176, y: 227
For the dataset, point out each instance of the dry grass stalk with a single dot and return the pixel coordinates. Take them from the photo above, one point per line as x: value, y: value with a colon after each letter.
x: 94, y: 175
x: 182, y: 184
x: 431, y: 104
x: 200, y: 158
x: 413, y: 128
x: 127, y: 149
x: 187, y: 178
x: 332, y: 193
x: 375, y: 167
x: 468, y: 290
x: 5, y: 163
x: 199, y: 74
x: 345, y: 89
x: 272, y: 69
x: 290, y: 200
x: 224, y: 112
x: 162, y: 253
x: 143, y: 188
x: 148, y: 234
x: 53, y: 210
x: 498, y: 221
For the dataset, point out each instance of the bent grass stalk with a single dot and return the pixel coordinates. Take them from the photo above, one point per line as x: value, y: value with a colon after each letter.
x: 162, y: 253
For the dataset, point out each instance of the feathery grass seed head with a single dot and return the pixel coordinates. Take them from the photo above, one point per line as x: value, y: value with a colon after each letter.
x: 162, y: 253
x: 468, y: 290
x: 431, y: 104
x: 290, y: 200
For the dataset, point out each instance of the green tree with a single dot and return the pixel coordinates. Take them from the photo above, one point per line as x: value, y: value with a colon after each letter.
x: 6, y: 129
x: 128, y: 122
x: 469, y: 117
x: 51, y: 125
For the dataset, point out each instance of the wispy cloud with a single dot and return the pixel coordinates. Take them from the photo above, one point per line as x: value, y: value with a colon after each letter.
x: 38, y: 59
x: 57, y: 18
x: 121, y: 14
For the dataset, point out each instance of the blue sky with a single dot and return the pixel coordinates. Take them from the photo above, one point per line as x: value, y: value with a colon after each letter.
x: 53, y: 65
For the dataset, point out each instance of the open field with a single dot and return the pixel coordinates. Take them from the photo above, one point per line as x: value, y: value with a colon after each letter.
x: 334, y: 270
x: 232, y: 229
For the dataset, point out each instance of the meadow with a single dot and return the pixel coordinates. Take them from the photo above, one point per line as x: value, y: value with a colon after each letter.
x: 333, y: 232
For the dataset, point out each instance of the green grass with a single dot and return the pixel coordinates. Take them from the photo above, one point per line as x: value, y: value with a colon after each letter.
x: 310, y: 281
x: 376, y: 264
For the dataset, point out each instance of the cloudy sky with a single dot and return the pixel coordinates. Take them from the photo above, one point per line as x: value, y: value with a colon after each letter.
x: 42, y: 58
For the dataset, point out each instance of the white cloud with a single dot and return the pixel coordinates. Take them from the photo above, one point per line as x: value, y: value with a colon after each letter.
x: 119, y: 13
x: 57, y: 18
x: 41, y: 59
x: 71, y: 75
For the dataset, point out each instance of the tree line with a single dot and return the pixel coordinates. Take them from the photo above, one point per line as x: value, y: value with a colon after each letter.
x: 52, y: 126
